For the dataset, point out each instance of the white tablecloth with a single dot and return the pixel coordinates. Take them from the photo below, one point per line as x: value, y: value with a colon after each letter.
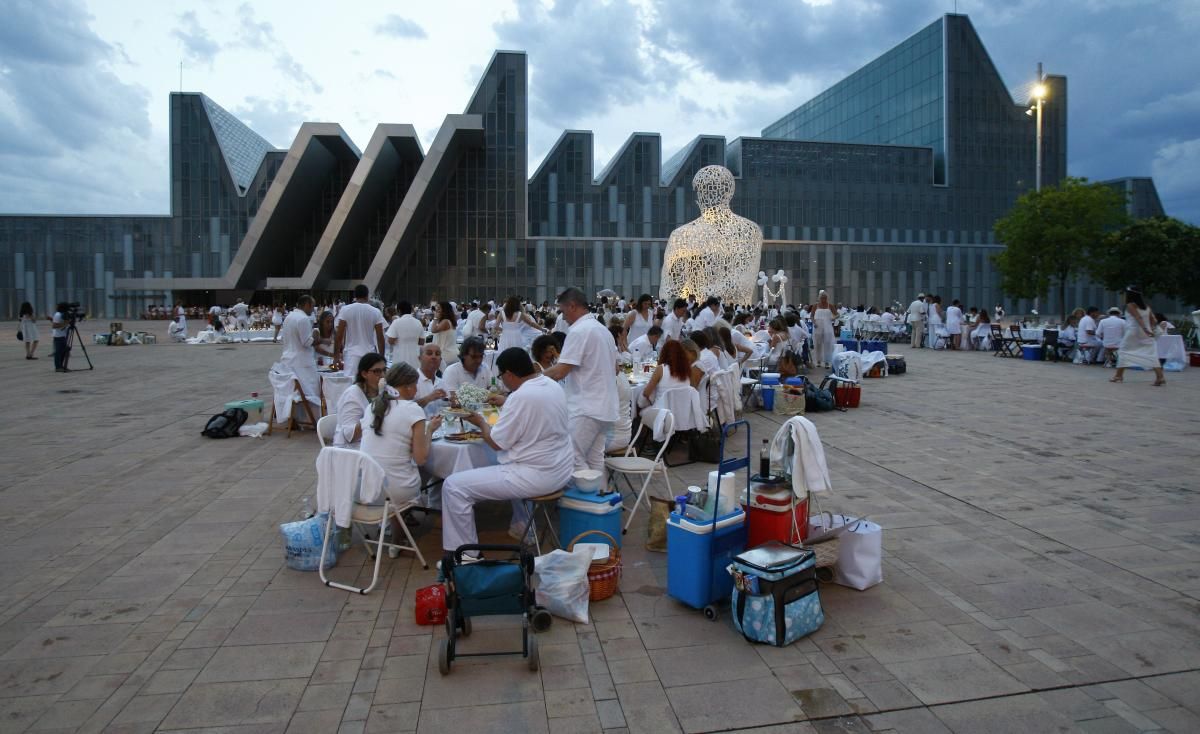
x: 1171, y: 348
x: 1031, y: 335
x: 332, y: 386
x: 447, y: 457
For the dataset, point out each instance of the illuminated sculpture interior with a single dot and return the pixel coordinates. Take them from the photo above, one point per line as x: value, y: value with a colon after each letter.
x: 716, y: 254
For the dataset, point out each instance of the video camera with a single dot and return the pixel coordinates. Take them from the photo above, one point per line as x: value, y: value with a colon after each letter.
x: 73, y: 313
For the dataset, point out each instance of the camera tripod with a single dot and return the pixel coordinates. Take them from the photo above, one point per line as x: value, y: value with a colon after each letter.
x: 72, y: 335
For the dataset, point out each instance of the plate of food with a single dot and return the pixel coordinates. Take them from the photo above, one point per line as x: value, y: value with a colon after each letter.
x: 464, y: 436
x: 456, y: 412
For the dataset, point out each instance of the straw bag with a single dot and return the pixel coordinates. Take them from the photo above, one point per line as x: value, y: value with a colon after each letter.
x: 788, y: 402
x: 603, y: 576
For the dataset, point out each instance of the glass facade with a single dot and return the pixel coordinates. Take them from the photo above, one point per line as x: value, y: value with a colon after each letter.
x: 897, y: 99
x: 885, y: 185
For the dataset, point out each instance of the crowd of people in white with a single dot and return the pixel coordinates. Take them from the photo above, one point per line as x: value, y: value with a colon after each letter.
x: 556, y: 370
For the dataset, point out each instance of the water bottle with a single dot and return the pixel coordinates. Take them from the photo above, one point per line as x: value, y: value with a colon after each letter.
x: 306, y: 509
x: 764, y: 460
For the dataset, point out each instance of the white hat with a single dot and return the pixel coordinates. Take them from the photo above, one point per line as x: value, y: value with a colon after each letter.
x: 1114, y: 310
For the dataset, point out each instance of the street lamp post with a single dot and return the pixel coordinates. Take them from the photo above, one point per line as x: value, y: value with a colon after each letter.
x: 1039, y: 93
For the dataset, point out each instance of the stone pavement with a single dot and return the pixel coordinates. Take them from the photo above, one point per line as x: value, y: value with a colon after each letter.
x: 1041, y: 572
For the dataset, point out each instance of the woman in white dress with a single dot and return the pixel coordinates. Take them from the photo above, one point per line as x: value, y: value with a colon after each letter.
x: 397, y: 434
x: 823, y: 337
x: 1138, y: 348
x: 934, y: 321
x: 954, y: 323
x: 444, y: 332
x: 513, y: 325
x: 638, y: 322
x: 29, y: 329
x: 277, y: 321
x: 323, y: 339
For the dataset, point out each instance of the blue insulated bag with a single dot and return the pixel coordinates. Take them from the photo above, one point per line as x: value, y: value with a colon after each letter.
x: 775, y: 599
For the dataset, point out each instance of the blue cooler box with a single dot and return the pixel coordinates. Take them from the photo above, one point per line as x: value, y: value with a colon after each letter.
x: 697, y: 557
x: 768, y: 393
x: 851, y: 345
x: 579, y: 512
x: 1032, y: 352
x: 871, y: 345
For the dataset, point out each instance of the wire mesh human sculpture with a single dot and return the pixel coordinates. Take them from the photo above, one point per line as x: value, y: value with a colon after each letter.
x: 716, y: 254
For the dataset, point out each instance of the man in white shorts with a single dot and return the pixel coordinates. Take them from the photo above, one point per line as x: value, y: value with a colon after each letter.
x: 358, y: 329
x: 241, y: 312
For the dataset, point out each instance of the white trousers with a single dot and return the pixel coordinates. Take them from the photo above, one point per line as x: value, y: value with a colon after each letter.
x: 244, y: 328
x: 917, y: 339
x: 587, y: 438
x: 463, y: 489
x: 350, y: 359
x: 823, y: 341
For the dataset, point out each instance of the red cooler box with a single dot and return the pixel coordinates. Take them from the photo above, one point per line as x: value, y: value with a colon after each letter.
x: 773, y: 510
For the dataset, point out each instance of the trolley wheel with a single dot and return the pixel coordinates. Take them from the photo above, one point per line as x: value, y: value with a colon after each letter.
x: 450, y: 625
x: 541, y: 619
x: 710, y: 613
x: 444, y: 657
x: 466, y: 627
x: 533, y: 654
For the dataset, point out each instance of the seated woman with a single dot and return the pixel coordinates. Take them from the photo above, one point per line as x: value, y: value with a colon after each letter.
x: 674, y: 370
x: 323, y: 339
x: 398, y: 436
x: 545, y: 352
x: 621, y: 431
x: 981, y: 335
x: 1164, y: 326
x: 778, y: 340
x: 353, y: 404
x: 707, y: 360
x: 727, y: 352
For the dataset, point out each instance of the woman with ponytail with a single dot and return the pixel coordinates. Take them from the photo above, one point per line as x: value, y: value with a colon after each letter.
x: 398, y: 435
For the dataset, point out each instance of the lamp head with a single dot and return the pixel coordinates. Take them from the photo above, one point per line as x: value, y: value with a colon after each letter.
x: 1039, y: 91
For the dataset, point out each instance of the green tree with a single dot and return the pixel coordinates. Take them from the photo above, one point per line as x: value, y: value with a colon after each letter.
x: 1160, y: 254
x: 1049, y: 235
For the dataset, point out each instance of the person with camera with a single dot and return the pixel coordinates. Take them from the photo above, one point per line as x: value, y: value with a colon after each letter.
x: 58, y: 329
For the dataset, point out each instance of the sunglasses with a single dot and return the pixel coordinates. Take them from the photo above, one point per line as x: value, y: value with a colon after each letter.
x: 376, y: 370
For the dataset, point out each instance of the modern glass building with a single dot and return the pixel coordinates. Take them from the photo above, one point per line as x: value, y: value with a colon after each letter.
x: 886, y: 184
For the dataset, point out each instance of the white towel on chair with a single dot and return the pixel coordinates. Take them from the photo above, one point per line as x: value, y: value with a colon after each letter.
x: 809, y: 470
x: 343, y: 474
x: 283, y: 383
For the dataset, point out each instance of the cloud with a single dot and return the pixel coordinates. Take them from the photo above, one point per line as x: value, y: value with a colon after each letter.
x: 197, y: 44
x: 394, y: 25
x: 260, y: 36
x: 277, y: 119
x: 586, y: 57
x: 68, y: 123
x: 1175, y: 168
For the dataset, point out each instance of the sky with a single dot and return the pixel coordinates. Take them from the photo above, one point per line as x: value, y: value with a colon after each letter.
x: 84, y: 84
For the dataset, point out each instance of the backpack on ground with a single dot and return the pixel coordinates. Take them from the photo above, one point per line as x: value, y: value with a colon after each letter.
x: 816, y: 399
x: 225, y: 424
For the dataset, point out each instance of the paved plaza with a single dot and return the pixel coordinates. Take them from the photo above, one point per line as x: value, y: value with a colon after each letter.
x: 1042, y: 572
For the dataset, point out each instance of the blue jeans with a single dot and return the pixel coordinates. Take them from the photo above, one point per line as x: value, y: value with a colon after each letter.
x: 60, y: 352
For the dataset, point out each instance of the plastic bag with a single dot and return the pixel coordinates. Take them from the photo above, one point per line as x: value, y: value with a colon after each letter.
x: 562, y: 584
x: 302, y: 543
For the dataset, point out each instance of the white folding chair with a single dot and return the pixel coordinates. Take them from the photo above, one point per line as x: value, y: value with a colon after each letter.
x: 351, y: 463
x: 326, y: 425
x: 633, y: 465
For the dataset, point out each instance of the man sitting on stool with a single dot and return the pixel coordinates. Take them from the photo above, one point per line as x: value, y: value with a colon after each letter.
x: 529, y: 438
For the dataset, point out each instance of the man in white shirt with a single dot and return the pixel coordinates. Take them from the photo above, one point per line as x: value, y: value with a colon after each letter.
x: 1089, y: 345
x: 358, y: 329
x: 177, y: 330
x: 431, y: 391
x: 672, y: 324
x: 708, y: 314
x: 1110, y: 331
x: 475, y: 321
x: 58, y: 330
x: 528, y: 439
x: 298, y: 355
x: 916, y: 321
x: 586, y: 367
x: 797, y: 332
x: 644, y: 347
x: 469, y: 368
x: 404, y: 335
x: 241, y: 312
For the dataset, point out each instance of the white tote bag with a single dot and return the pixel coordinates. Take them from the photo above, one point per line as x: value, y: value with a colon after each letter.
x: 860, y: 548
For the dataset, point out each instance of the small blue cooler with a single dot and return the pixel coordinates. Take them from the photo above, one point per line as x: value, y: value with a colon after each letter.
x: 1032, y: 352
x: 579, y: 512
x: 768, y: 393
x: 873, y: 345
x: 697, y: 557
x: 851, y: 345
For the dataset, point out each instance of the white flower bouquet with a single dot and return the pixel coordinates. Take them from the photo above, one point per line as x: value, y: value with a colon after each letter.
x: 472, y: 397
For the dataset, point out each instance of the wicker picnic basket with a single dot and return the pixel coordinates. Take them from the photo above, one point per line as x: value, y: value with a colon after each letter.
x: 603, y: 576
